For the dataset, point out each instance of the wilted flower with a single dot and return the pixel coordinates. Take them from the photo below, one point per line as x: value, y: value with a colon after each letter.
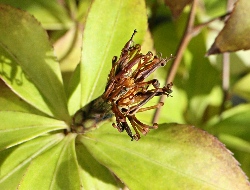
x: 127, y: 91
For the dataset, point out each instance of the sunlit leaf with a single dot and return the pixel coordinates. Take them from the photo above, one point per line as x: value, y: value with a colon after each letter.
x: 173, y: 108
x: 235, y: 35
x: 235, y: 121
x: 57, y: 168
x: 214, y: 8
x: 51, y: 14
x: 244, y: 160
x: 27, y: 60
x: 171, y: 111
x: 242, y: 87
x: 9, y: 101
x: 171, y: 157
x: 74, y: 92
x: 235, y: 142
x: 232, y: 128
x: 19, y: 83
x: 116, y: 23
x: 92, y: 173
x: 15, y: 161
x: 68, y: 50
x: 177, y: 6
x: 148, y: 43
x: 18, y: 127
x: 83, y: 7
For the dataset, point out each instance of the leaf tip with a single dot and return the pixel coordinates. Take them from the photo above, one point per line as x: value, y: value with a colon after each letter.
x: 213, y: 50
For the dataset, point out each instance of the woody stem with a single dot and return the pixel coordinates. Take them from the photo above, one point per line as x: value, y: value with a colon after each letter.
x: 187, y: 36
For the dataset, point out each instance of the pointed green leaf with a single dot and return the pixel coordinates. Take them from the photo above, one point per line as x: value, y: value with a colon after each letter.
x: 19, y: 83
x: 235, y: 35
x: 235, y: 122
x: 15, y: 161
x: 109, y: 26
x: 242, y: 87
x: 28, y: 65
x: 93, y: 174
x: 171, y: 157
x: 9, y: 101
x: 74, y: 90
x: 18, y: 127
x: 55, y: 169
x: 50, y: 13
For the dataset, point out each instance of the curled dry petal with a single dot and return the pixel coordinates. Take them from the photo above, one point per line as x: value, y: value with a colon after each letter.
x: 127, y: 91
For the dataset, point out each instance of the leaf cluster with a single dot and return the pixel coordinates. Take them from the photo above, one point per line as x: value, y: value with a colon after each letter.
x: 42, y: 87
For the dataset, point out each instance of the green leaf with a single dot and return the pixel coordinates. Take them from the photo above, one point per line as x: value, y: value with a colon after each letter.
x: 50, y: 13
x: 242, y: 87
x: 214, y: 8
x: 202, y: 76
x: 165, y: 38
x: 55, y: 169
x: 68, y: 50
x: 28, y: 65
x: 235, y: 35
x: 35, y: 164
x: 92, y: 173
x: 15, y: 160
x: 235, y: 142
x: 244, y: 160
x: 74, y: 92
x: 9, y: 101
x: 174, y: 107
x: 83, y: 7
x: 232, y: 128
x: 171, y: 111
x: 20, y: 83
x: 116, y: 23
x: 235, y: 121
x: 171, y: 157
x: 18, y: 127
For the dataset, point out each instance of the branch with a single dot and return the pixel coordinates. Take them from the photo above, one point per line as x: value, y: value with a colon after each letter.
x: 182, y: 46
x: 226, y: 69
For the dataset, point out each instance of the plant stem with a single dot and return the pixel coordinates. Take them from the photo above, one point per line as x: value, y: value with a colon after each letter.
x: 87, y: 117
x: 190, y: 31
x: 225, y: 79
x: 179, y: 54
x: 226, y: 67
x: 196, y: 29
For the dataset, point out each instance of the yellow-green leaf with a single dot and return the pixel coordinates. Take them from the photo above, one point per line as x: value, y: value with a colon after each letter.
x: 109, y: 26
x: 15, y: 160
x: 171, y: 157
x: 235, y: 34
x: 17, y: 127
x: 57, y: 168
x: 28, y: 64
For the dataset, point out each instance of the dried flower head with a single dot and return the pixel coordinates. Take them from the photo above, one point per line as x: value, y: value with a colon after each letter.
x: 127, y: 91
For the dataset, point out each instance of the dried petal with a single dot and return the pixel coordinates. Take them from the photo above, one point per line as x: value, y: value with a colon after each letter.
x: 127, y: 91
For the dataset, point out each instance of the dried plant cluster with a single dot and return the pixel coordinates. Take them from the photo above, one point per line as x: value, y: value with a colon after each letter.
x: 127, y: 91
